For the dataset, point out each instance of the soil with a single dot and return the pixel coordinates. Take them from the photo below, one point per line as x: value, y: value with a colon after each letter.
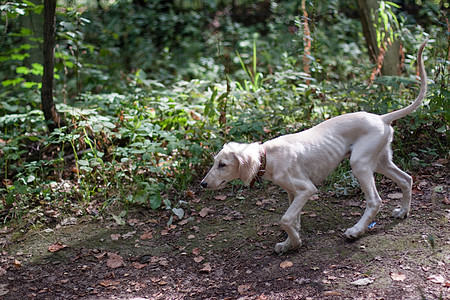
x: 222, y: 248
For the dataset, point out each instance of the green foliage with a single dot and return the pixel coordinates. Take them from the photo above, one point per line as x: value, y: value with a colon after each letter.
x: 387, y: 24
x: 256, y: 78
x: 151, y: 93
x: 13, y: 53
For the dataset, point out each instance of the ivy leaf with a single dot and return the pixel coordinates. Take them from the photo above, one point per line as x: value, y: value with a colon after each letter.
x: 141, y: 197
x: 179, y: 212
x: 155, y: 201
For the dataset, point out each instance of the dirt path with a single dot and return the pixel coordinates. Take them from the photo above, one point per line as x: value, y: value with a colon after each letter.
x: 223, y: 249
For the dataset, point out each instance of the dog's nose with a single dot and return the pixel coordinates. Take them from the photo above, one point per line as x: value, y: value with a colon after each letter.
x: 203, y: 184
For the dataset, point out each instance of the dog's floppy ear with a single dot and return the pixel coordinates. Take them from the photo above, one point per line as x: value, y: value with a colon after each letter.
x: 249, y: 161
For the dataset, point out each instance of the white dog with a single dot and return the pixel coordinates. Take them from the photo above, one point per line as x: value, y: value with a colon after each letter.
x: 298, y: 162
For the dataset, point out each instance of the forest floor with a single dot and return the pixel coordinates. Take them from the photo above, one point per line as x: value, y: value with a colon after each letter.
x: 223, y: 249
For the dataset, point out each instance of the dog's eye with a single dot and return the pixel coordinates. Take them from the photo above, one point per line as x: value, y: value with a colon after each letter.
x: 222, y: 165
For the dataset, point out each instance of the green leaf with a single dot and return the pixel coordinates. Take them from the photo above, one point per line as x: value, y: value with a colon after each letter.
x: 12, y: 82
x: 439, y: 189
x: 31, y: 178
x: 87, y: 169
x: 442, y: 129
x: 38, y: 69
x: 167, y: 203
x: 179, y: 212
x: 83, y: 162
x: 119, y: 220
x: 32, y: 84
x: 155, y: 201
x: 22, y: 70
x: 393, y: 4
x: 141, y: 197
x: 19, y: 56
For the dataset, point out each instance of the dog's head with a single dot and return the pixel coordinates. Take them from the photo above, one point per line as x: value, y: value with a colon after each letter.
x: 233, y: 161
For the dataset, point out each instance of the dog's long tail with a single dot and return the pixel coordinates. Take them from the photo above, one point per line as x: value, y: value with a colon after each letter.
x: 390, y: 117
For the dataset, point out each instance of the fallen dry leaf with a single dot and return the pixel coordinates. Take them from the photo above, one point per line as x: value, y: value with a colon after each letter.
x: 362, y: 281
x: 155, y: 279
x: 206, y: 268
x: 66, y: 221
x: 199, y: 259
x: 163, y: 261
x: 189, y: 193
x: 204, y: 212
x: 243, y: 288
x: 100, y: 255
x: 184, y: 222
x: 44, y: 290
x: 115, y: 236
x: 2, y: 271
x: 138, y: 265
x: 17, y: 263
x: 128, y: 234
x: 132, y: 222
x: 106, y: 283
x: 147, y: 235
x: 439, y: 279
x: 211, y: 236
x: 395, y: 196
x: 56, y: 247
x: 3, y: 289
x: 7, y: 182
x: 446, y: 201
x: 196, y: 251
x: 331, y: 293
x: 220, y: 197
x: 286, y: 264
x: 398, y: 276
x: 114, y: 261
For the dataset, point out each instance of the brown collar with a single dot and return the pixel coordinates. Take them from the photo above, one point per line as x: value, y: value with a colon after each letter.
x: 262, y: 166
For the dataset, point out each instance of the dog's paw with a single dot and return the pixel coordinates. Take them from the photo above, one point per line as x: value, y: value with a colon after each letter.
x: 280, y: 248
x: 353, y: 233
x: 400, y: 213
x: 286, y: 246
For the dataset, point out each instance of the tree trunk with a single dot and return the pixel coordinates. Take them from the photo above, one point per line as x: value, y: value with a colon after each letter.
x: 391, y: 63
x: 366, y: 7
x: 33, y: 21
x: 51, y: 115
x: 391, y: 58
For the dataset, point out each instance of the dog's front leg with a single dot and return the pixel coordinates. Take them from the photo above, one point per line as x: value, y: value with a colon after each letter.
x: 290, y: 221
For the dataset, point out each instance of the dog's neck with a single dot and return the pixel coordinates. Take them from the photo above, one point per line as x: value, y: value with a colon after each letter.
x: 262, y: 166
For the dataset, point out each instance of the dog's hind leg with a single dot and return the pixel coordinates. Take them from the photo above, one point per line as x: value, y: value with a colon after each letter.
x: 363, y: 165
x: 404, y: 181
